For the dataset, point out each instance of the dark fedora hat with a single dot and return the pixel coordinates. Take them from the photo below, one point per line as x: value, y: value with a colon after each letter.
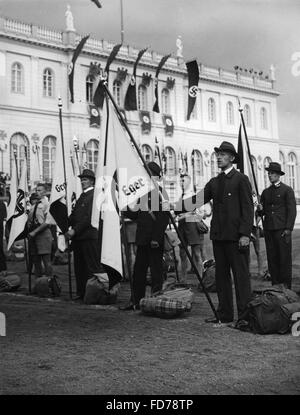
x: 154, y: 167
x: 275, y: 167
x: 228, y: 147
x: 87, y: 173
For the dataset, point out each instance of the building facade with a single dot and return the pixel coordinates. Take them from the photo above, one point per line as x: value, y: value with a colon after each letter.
x: 34, y: 73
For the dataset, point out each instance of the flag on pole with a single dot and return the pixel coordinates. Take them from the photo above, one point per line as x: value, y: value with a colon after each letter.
x: 36, y: 171
x: 72, y: 65
x: 193, y: 76
x: 97, y: 3
x: 121, y: 180
x: 19, y: 217
x: 13, y: 191
x: 77, y: 188
x: 160, y: 65
x: 57, y: 204
x: 130, y: 98
x: 99, y: 93
x: 244, y: 163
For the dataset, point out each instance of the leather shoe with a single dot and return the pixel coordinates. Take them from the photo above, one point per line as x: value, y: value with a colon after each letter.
x: 215, y: 321
x: 129, y: 307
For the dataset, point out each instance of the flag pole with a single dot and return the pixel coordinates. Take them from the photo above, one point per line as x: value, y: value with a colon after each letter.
x: 66, y: 187
x: 104, y: 85
x: 170, y: 227
x: 248, y: 149
x: 122, y: 21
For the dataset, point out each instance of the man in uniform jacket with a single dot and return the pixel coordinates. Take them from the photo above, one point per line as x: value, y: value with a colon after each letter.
x: 230, y: 231
x: 278, y: 208
x: 151, y: 226
x: 84, y: 236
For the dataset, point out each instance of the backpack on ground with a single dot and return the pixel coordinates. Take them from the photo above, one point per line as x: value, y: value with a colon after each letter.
x: 97, y: 290
x: 169, y: 303
x: 209, y: 276
x: 10, y: 282
x: 270, y: 311
x: 47, y: 286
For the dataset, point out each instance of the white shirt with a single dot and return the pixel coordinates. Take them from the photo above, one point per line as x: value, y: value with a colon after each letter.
x: 226, y: 171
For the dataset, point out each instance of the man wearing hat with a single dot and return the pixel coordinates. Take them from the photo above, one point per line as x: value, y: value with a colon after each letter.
x: 230, y: 231
x: 278, y: 208
x: 84, y: 236
x: 151, y: 226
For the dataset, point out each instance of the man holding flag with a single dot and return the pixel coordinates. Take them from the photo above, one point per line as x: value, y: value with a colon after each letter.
x: 83, y: 235
x: 230, y: 232
x: 151, y: 226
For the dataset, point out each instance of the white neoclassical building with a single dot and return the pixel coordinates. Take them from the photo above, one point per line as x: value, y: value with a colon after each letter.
x: 34, y: 72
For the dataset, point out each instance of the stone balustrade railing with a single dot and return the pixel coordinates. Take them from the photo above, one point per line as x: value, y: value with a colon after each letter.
x: 36, y: 33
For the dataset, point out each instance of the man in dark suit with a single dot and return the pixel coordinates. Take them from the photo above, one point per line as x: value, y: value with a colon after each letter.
x: 84, y: 236
x: 278, y: 207
x: 151, y: 226
x: 230, y: 232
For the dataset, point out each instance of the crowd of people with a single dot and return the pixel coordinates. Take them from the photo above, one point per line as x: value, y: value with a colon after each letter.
x: 231, y: 197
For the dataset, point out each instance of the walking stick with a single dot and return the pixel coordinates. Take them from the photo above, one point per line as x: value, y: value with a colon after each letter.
x: 30, y: 266
x: 104, y: 85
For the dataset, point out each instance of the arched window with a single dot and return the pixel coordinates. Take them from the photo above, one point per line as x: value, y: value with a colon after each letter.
x: 170, y: 162
x: 89, y: 85
x: 214, y: 165
x: 247, y: 115
x: 147, y: 152
x: 48, y: 83
x: 142, y: 98
x: 117, y: 92
x: 263, y: 119
x: 48, y: 153
x: 230, y: 113
x: 282, y: 162
x: 292, y: 163
x: 19, y: 146
x: 267, y: 161
x: 211, y: 110
x: 17, y: 78
x: 92, y: 154
x: 165, y: 101
x: 197, y: 164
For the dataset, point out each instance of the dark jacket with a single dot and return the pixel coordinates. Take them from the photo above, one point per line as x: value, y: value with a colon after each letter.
x: 80, y: 218
x: 233, y: 215
x: 279, y: 207
x: 150, y: 226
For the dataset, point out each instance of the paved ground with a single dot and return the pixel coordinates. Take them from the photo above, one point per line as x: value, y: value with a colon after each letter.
x: 60, y: 347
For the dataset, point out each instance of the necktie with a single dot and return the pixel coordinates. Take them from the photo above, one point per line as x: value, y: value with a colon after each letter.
x: 221, y: 187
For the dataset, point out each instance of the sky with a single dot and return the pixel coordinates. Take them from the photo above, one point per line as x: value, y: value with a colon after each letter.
x: 220, y: 33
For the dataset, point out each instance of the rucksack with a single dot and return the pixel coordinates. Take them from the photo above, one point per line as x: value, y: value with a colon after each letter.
x: 209, y: 276
x: 168, y: 303
x: 97, y: 290
x: 47, y: 286
x: 266, y: 312
x: 10, y: 282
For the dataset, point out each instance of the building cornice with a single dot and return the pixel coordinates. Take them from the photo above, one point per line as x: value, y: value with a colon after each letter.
x: 48, y: 38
